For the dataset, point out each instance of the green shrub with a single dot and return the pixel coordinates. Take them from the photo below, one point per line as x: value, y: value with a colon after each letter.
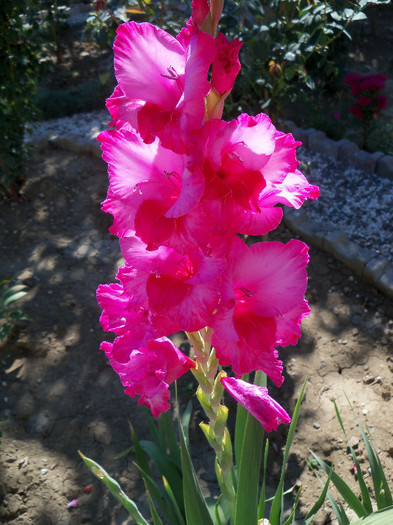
x: 19, y: 72
x: 294, y: 47
x: 61, y: 103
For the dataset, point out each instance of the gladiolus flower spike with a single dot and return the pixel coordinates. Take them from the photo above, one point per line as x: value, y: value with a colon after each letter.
x: 183, y: 185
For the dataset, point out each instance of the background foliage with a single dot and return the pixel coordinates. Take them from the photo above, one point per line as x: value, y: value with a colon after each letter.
x: 293, y: 51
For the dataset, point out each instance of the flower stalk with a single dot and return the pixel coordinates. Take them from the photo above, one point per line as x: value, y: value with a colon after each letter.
x: 209, y: 394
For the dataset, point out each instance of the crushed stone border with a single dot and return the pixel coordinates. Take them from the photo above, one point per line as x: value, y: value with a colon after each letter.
x: 369, y: 266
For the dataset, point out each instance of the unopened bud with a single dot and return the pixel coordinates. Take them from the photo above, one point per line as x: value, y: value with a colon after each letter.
x: 209, y: 434
x: 225, y: 486
x: 227, y: 453
x: 205, y: 404
x: 221, y: 420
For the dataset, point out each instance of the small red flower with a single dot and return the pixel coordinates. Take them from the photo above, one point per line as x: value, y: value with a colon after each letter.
x: 380, y: 100
x: 356, y: 111
x: 363, y: 101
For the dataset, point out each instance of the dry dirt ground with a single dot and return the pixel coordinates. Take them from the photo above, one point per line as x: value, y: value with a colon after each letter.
x: 59, y: 394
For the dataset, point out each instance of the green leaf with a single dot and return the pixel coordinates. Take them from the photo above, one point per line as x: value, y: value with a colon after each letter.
x: 381, y: 517
x: 241, y: 417
x: 124, y: 453
x: 291, y: 517
x: 12, y: 297
x: 338, y: 510
x: 176, y: 509
x: 185, y: 422
x: 219, y: 509
x: 115, y: 489
x: 18, y: 315
x: 262, y: 498
x: 246, y: 511
x: 167, y: 467
x: 277, y: 508
x: 318, y: 504
x: 196, y: 509
x: 173, y: 445
x: 154, y: 514
x: 363, y: 488
x: 382, y: 492
x: 348, y: 495
x: 147, y: 475
x: 4, y: 329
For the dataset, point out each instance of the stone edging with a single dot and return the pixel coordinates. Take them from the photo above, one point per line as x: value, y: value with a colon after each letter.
x: 344, y: 151
x: 373, y: 268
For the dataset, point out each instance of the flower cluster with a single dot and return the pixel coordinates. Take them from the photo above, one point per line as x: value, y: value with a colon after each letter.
x: 367, y: 90
x: 183, y: 185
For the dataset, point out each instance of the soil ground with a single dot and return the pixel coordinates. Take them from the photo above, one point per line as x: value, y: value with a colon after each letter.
x: 58, y: 394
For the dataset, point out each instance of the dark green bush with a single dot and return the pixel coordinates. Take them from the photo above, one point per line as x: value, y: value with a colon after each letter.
x: 293, y: 48
x: 19, y: 71
x: 61, y: 103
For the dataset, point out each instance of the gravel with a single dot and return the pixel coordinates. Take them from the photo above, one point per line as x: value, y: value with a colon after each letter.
x: 351, y: 201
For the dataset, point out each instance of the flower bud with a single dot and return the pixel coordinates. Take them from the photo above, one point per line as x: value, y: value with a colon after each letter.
x: 209, y: 434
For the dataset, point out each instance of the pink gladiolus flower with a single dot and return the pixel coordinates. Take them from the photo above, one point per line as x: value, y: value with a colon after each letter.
x: 183, y: 287
x: 148, y: 371
x: 162, y: 81
x: 249, y: 168
x: 150, y: 186
x: 256, y: 400
x: 244, y: 154
x: 262, y: 305
x: 336, y: 116
x: 119, y: 316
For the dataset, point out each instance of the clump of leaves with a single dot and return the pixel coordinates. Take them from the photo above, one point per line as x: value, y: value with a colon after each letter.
x: 362, y: 506
x: 8, y: 315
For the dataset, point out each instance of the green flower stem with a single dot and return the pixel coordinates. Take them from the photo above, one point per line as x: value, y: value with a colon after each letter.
x: 209, y: 394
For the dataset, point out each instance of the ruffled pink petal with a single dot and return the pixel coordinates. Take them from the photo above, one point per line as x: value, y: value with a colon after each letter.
x: 130, y: 162
x: 122, y: 109
x: 273, y: 289
x: 118, y: 315
x: 134, y: 283
x: 283, y: 160
x: 295, y: 189
x: 192, y: 186
x: 148, y: 371
x: 226, y: 66
x: 256, y: 400
x: 200, y: 54
x: 151, y: 224
x: 247, y: 222
x: 149, y: 63
x: 245, y: 359
x: 250, y: 139
x: 288, y: 326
